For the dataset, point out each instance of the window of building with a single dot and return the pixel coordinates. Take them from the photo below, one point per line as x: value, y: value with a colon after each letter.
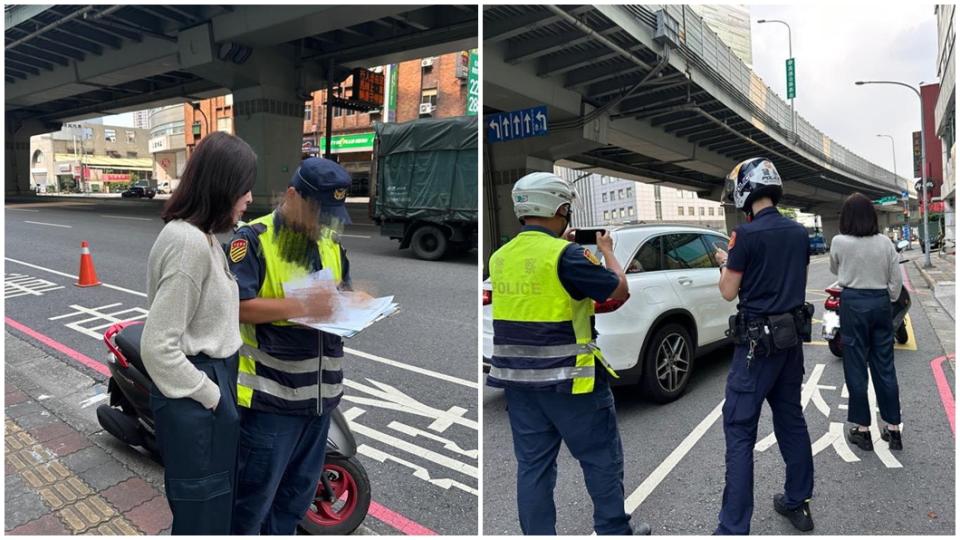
x: 720, y: 210
x: 228, y: 100
x: 225, y: 124
x: 621, y: 212
x: 692, y: 213
x: 308, y: 112
x: 110, y: 135
x: 132, y: 154
x: 606, y: 215
x: 630, y: 211
x: 131, y: 136
x: 710, y: 211
x: 629, y: 192
x: 679, y: 210
x: 701, y: 210
x: 429, y: 95
x: 604, y: 197
x: 620, y: 194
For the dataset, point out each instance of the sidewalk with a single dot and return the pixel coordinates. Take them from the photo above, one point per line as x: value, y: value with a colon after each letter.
x: 936, y: 294
x: 63, y: 476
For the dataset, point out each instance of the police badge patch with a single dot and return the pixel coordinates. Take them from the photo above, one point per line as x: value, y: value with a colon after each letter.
x: 340, y: 194
x: 591, y: 257
x: 238, y: 250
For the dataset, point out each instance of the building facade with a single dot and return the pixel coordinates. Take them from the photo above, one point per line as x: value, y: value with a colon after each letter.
x: 167, y: 145
x: 732, y: 25
x: 90, y: 157
x: 945, y: 111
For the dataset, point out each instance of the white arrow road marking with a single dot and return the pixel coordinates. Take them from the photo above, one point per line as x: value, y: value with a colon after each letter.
x: 811, y: 392
x: 447, y: 443
x: 424, y: 453
x: 880, y: 447
x: 651, y: 482
x: 393, y: 399
x: 418, y: 471
x: 834, y: 437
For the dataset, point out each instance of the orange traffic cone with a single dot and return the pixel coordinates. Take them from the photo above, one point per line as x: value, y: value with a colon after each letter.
x: 88, y: 276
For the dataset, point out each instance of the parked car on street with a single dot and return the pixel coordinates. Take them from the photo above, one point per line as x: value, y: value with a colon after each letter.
x: 817, y: 244
x: 138, y: 190
x: 674, y: 314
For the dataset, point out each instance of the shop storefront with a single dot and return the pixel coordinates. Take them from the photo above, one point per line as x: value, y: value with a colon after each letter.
x: 354, y: 151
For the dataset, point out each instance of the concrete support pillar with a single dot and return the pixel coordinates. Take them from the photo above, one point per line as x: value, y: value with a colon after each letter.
x: 16, y: 153
x: 733, y: 218
x: 830, y: 228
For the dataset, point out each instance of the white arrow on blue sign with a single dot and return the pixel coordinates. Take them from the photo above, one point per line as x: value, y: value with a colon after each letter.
x: 513, y: 125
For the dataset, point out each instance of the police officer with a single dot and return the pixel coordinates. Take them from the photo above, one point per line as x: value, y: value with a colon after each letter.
x: 546, y: 359
x: 290, y: 376
x: 767, y: 267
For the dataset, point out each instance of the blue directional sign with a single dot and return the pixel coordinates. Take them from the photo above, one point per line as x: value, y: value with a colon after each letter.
x: 515, y: 125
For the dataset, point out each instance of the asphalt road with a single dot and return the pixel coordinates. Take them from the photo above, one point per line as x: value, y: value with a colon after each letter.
x: 411, y: 392
x: 674, y: 465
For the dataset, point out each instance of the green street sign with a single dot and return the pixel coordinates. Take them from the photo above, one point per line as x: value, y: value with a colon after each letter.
x: 357, y: 142
x: 473, y: 85
x: 791, y: 79
x: 886, y: 201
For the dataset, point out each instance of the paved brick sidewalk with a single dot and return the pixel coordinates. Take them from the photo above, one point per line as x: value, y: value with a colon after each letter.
x: 59, y: 482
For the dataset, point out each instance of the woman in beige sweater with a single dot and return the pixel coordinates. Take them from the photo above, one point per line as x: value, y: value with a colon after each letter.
x: 192, y: 335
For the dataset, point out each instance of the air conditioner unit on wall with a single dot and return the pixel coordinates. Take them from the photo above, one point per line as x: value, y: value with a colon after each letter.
x: 427, y: 62
x: 427, y: 108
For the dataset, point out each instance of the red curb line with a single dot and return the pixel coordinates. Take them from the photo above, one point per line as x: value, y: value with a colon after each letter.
x: 906, y: 279
x: 397, y: 521
x: 946, y: 396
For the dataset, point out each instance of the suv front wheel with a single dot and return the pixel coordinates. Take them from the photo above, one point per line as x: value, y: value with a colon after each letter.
x: 667, y: 363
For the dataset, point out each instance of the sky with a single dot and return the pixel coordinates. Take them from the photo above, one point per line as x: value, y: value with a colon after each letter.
x: 838, y: 43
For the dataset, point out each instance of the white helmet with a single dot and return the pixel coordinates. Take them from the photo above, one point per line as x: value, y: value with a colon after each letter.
x: 541, y: 194
x: 752, y: 179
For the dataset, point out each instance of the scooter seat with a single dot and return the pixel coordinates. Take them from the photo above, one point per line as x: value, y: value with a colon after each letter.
x: 128, y: 341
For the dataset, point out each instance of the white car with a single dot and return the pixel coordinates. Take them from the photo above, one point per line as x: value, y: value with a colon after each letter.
x: 674, y: 313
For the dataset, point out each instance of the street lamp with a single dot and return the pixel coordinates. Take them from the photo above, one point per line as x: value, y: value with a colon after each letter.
x: 906, y: 202
x: 924, y: 216
x: 793, y: 115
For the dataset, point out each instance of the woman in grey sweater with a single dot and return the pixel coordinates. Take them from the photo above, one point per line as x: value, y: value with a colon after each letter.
x: 192, y: 335
x: 867, y: 266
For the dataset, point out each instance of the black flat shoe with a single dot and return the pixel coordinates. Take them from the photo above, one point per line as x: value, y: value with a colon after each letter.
x: 892, y: 437
x: 799, y: 517
x: 861, y: 439
x: 642, y: 529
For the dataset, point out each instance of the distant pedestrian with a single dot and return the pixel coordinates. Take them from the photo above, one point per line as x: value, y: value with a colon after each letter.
x: 867, y: 266
x: 191, y: 338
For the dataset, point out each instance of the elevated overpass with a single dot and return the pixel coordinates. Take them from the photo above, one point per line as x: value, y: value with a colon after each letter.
x: 672, y: 106
x: 70, y: 62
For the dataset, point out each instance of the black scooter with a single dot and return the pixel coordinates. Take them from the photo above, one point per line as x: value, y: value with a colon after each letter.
x: 343, y: 494
x: 831, y: 314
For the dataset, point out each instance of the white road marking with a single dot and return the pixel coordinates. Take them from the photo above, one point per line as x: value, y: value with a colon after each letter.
x: 15, y: 285
x: 354, y: 236
x: 395, y: 400
x: 71, y: 276
x: 98, y: 315
x: 22, y: 209
x: 49, y: 224
x: 410, y: 448
x: 880, y: 447
x: 93, y: 399
x: 447, y: 443
x: 126, y: 217
x: 834, y: 437
x: 418, y: 471
x: 651, y: 482
x: 415, y: 369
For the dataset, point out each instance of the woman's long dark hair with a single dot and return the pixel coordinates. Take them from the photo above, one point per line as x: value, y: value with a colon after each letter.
x: 858, y: 217
x: 221, y: 169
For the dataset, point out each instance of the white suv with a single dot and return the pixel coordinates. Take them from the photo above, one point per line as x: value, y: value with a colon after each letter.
x: 674, y: 314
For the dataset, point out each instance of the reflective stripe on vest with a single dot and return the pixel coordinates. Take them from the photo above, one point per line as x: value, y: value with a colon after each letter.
x: 276, y: 272
x: 529, y: 296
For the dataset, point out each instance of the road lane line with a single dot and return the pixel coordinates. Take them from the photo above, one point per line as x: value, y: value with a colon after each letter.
x: 57, y: 346
x: 361, y: 354
x: 22, y: 209
x: 126, y: 217
x: 382, y: 513
x: 354, y: 236
x: 49, y: 224
x: 946, y: 395
x: 651, y: 482
x: 415, y: 369
x: 71, y: 276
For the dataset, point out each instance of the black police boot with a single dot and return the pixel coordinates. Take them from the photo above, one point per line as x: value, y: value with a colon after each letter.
x: 799, y: 517
x: 892, y: 437
x: 863, y: 439
x: 641, y: 529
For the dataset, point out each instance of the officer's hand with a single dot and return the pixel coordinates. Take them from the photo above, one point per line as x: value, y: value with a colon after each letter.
x: 318, y: 303
x: 358, y: 299
x: 604, y: 242
x: 721, y: 256
x: 570, y: 235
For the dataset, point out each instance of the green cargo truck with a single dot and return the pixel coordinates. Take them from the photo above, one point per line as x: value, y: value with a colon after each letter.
x: 424, y: 188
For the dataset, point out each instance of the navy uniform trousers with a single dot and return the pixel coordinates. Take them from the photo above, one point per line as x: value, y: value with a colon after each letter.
x: 199, y: 450
x: 280, y: 462
x: 778, y: 380
x: 587, y: 423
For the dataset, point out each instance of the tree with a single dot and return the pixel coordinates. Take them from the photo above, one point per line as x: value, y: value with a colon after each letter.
x: 789, y: 212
